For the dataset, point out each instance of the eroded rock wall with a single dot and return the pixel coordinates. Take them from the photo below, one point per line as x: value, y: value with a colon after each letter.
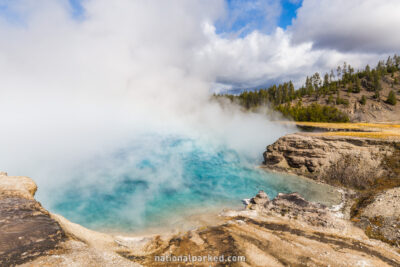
x: 313, y: 155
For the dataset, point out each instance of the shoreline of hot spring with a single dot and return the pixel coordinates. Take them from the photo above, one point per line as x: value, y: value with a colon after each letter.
x: 282, y: 231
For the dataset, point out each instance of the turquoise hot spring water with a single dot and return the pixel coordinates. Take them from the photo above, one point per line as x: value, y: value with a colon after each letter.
x: 153, y: 182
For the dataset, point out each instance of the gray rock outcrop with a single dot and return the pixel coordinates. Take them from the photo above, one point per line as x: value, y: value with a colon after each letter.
x: 285, y: 231
x: 26, y: 229
x: 381, y: 218
x: 324, y: 157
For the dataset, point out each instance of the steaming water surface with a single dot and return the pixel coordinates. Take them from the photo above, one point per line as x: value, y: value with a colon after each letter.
x: 159, y: 179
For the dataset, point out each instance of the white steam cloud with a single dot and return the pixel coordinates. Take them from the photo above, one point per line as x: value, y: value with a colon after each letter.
x: 76, y: 89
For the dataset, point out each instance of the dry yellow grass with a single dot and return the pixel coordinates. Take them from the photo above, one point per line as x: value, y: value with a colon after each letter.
x: 376, y: 135
x: 362, y: 130
x: 356, y: 126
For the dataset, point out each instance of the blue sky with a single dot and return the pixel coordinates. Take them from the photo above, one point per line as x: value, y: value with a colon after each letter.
x: 249, y: 19
x: 243, y: 16
x: 77, y: 7
x: 288, y: 12
x: 6, y: 13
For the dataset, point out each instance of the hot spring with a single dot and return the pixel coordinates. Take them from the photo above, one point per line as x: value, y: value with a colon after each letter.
x: 159, y: 180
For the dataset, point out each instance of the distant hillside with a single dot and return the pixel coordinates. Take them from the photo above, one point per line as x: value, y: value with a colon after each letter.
x: 368, y: 95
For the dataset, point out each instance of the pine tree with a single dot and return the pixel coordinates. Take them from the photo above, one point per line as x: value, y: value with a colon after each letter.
x: 363, y: 100
x: 367, y: 69
x: 377, y: 82
x: 357, y: 88
x: 326, y: 79
x: 350, y: 89
x: 391, y: 98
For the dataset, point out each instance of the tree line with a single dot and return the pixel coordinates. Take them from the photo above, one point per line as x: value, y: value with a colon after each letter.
x: 330, y: 85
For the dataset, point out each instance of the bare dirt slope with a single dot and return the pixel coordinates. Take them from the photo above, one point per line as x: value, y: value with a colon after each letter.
x: 374, y: 110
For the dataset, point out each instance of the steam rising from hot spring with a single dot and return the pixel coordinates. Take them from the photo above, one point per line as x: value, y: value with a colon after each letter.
x: 76, y: 92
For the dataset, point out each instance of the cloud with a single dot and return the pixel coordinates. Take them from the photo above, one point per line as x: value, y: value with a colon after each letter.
x: 77, y: 90
x: 255, y: 59
x: 324, y: 35
x: 260, y: 59
x: 349, y: 26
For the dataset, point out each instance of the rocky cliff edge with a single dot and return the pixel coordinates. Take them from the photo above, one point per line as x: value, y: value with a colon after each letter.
x: 287, y: 230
